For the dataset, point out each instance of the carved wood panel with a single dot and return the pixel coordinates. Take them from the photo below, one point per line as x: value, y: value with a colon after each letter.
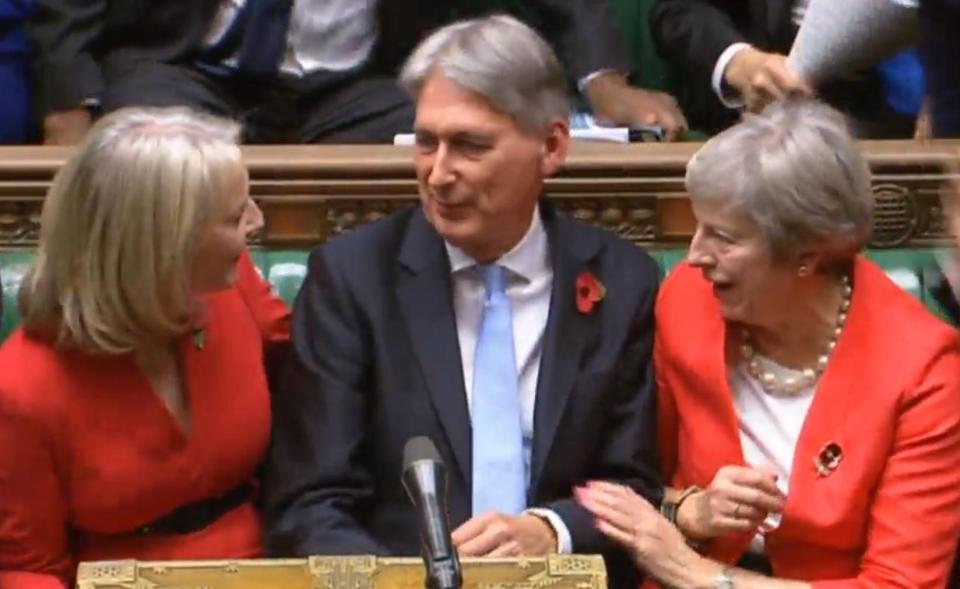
x: 310, y: 194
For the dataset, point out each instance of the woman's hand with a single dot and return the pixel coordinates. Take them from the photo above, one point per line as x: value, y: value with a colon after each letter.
x: 628, y: 519
x: 737, y: 501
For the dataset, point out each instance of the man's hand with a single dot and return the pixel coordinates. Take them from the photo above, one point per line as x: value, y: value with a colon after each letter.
x: 66, y: 127
x: 762, y: 78
x: 615, y: 102
x: 495, y: 534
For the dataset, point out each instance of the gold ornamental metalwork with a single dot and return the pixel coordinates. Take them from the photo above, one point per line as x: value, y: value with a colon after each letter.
x: 342, y: 572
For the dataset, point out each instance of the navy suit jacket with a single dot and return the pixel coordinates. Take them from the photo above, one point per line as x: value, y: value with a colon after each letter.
x: 377, y: 361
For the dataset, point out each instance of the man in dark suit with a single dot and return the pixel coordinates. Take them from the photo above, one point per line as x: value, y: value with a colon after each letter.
x: 733, y: 55
x: 399, y: 331
x: 292, y: 71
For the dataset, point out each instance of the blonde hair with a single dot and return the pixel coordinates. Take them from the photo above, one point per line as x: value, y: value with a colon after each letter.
x: 119, y: 229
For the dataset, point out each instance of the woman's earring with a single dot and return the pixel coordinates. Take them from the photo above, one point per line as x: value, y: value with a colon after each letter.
x: 802, y: 270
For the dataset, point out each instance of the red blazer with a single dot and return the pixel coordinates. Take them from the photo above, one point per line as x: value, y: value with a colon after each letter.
x: 88, y: 451
x: 889, y: 515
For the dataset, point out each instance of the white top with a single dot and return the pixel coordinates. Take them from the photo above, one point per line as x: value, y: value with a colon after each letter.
x: 529, y: 285
x: 331, y: 35
x: 769, y: 426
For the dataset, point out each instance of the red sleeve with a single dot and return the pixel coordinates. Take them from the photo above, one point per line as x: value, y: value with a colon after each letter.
x: 33, y: 514
x: 269, y: 311
x: 915, y: 516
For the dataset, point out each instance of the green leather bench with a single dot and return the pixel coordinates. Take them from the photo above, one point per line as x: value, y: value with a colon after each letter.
x: 285, y: 270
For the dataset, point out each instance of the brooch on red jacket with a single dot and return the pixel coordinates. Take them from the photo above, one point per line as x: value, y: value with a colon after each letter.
x: 828, y: 459
x: 590, y: 291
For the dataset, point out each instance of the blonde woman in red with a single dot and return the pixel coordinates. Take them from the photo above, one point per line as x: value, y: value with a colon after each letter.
x: 134, y: 408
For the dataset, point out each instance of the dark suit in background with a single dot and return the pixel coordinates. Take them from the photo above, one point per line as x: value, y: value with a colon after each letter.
x: 377, y: 362
x: 140, y: 52
x: 14, y: 60
x: 692, y: 34
x: 941, y: 49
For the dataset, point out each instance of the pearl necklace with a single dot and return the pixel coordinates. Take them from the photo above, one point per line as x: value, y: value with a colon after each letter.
x: 792, y: 385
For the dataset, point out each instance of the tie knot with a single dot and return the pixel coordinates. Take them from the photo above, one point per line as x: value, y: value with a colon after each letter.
x: 494, y: 279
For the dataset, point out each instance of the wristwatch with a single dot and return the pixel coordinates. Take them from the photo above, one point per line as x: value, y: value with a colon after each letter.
x: 724, y: 580
x: 669, y: 509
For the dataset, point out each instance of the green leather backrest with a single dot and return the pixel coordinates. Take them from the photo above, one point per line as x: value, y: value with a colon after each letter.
x: 285, y: 270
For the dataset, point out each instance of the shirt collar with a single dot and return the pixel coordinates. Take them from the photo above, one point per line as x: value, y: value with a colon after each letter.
x: 527, y: 259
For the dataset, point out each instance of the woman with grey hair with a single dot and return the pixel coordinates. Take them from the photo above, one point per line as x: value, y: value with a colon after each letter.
x: 134, y: 408
x: 808, y: 406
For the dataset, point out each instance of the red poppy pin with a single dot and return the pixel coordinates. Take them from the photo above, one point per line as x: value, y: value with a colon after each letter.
x: 590, y: 291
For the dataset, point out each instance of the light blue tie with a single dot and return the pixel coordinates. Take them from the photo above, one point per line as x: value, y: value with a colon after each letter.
x: 499, y: 471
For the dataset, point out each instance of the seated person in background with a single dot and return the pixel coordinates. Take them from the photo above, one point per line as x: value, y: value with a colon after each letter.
x: 134, y: 408
x: 733, y: 55
x: 461, y: 320
x: 292, y: 71
x: 15, y: 119
x: 809, y: 406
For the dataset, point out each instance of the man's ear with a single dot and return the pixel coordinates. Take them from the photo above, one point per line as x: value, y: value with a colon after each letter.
x: 556, y: 143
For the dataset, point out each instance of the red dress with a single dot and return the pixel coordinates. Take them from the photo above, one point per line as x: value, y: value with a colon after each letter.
x: 88, y: 452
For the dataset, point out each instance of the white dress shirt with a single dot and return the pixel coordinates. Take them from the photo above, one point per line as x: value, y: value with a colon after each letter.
x: 331, y: 35
x: 529, y: 285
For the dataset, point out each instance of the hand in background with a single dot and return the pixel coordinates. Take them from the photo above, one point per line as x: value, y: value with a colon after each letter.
x: 738, y: 500
x: 496, y: 534
x: 761, y: 78
x: 66, y: 127
x: 615, y: 102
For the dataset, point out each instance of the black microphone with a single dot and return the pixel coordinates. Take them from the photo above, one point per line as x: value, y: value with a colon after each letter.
x: 425, y: 479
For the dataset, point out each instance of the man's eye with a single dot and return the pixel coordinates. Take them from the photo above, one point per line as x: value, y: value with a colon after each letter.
x: 473, y: 147
x: 425, y: 142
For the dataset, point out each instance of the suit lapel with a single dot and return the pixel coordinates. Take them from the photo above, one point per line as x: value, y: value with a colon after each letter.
x: 565, y: 333
x: 425, y: 296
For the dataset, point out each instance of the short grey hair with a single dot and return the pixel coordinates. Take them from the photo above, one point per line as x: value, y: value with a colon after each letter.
x: 796, y: 172
x: 499, y: 58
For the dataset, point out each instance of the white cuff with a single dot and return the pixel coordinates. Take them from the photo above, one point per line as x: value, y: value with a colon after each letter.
x: 582, y: 82
x: 564, y: 542
x: 729, y: 100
